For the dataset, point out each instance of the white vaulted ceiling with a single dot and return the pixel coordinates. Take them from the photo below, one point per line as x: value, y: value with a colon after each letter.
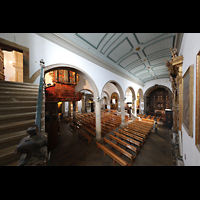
x: 141, y: 55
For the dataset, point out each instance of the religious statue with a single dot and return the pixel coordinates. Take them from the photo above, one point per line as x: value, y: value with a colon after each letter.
x: 174, y: 52
x: 33, y: 148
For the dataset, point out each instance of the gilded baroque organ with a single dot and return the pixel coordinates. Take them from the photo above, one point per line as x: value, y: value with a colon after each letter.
x: 62, y: 86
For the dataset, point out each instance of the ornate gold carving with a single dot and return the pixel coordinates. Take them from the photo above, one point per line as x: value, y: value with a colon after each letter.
x: 175, y: 72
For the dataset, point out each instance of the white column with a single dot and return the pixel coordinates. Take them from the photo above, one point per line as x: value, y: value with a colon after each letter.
x: 98, y: 119
x: 135, y: 113
x: 122, y: 112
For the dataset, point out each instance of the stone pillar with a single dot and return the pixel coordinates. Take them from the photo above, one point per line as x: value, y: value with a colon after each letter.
x: 122, y: 112
x: 135, y: 113
x: 98, y: 120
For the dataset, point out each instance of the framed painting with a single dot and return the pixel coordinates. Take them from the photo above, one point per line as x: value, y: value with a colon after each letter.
x: 188, y: 100
x: 197, y: 120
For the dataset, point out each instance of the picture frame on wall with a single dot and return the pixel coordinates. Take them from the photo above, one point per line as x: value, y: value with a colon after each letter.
x: 188, y: 100
x: 197, y: 120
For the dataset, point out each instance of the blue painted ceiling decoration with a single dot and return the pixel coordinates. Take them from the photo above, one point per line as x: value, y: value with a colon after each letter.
x: 143, y: 55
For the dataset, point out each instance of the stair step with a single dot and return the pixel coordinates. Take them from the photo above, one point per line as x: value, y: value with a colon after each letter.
x: 18, y: 89
x: 17, y: 93
x: 11, y: 139
x: 17, y: 117
x: 17, y: 103
x: 21, y: 109
x: 18, y: 84
x: 17, y: 113
x: 18, y: 98
x: 7, y: 155
x: 16, y: 126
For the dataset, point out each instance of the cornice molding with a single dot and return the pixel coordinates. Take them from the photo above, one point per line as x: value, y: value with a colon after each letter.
x: 66, y: 43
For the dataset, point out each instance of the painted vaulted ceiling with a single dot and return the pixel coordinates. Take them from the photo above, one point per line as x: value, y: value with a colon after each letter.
x: 141, y: 55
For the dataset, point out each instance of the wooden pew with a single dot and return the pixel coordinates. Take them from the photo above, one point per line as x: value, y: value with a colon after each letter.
x: 135, y: 137
x: 138, y: 130
x: 123, y: 143
x: 113, y: 155
x: 91, y: 131
x: 85, y: 135
x: 135, y: 133
x: 139, y: 126
x: 122, y: 151
x: 127, y: 139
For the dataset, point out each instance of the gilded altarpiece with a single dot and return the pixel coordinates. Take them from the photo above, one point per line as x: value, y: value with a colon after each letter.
x: 197, y: 120
x: 175, y: 72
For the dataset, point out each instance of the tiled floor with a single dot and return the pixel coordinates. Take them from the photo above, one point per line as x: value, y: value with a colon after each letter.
x: 73, y: 150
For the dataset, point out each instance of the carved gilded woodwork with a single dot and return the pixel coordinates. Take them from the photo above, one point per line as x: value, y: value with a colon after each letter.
x: 175, y: 72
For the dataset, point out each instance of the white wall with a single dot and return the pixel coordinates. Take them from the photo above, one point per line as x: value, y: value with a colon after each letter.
x: 41, y: 48
x: 189, y: 48
x: 163, y: 81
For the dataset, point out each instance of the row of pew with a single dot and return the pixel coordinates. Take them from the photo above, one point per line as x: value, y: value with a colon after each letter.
x: 131, y: 138
x: 85, y: 124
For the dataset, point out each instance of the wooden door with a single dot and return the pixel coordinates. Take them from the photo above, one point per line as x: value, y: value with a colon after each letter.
x: 169, y: 119
x: 51, y: 124
x: 2, y: 77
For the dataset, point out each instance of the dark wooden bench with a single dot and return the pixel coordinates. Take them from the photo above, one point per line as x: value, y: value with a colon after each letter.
x: 85, y: 135
x: 128, y: 139
x: 135, y: 137
x: 122, y: 151
x: 123, y: 143
x: 113, y: 155
x: 138, y: 130
x: 91, y: 131
x: 134, y: 132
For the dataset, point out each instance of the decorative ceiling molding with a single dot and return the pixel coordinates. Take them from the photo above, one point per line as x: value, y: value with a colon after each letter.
x: 138, y: 57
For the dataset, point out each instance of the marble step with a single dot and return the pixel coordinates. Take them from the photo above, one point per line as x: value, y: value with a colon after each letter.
x: 18, y: 84
x: 18, y: 98
x: 11, y: 139
x: 7, y: 155
x: 27, y: 90
x: 21, y: 109
x: 17, y: 117
x: 4, y: 104
x: 15, y: 126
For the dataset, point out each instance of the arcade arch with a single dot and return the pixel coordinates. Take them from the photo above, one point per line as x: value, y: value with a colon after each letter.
x: 140, y: 102
x: 131, y: 99
x: 120, y: 92
x: 148, y: 92
x: 91, y: 82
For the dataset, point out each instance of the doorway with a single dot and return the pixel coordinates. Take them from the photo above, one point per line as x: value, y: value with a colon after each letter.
x: 13, y: 66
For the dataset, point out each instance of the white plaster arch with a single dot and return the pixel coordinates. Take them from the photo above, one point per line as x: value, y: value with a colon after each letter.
x: 75, y: 69
x: 121, y: 98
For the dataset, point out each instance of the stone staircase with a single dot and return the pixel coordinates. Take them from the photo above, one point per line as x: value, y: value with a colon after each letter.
x: 17, y: 113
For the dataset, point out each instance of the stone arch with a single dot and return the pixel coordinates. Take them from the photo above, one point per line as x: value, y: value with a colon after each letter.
x: 133, y: 92
x: 151, y: 89
x: 77, y: 70
x: 88, y: 78
x: 141, y: 101
x: 121, y: 98
x: 133, y: 100
x: 105, y: 104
